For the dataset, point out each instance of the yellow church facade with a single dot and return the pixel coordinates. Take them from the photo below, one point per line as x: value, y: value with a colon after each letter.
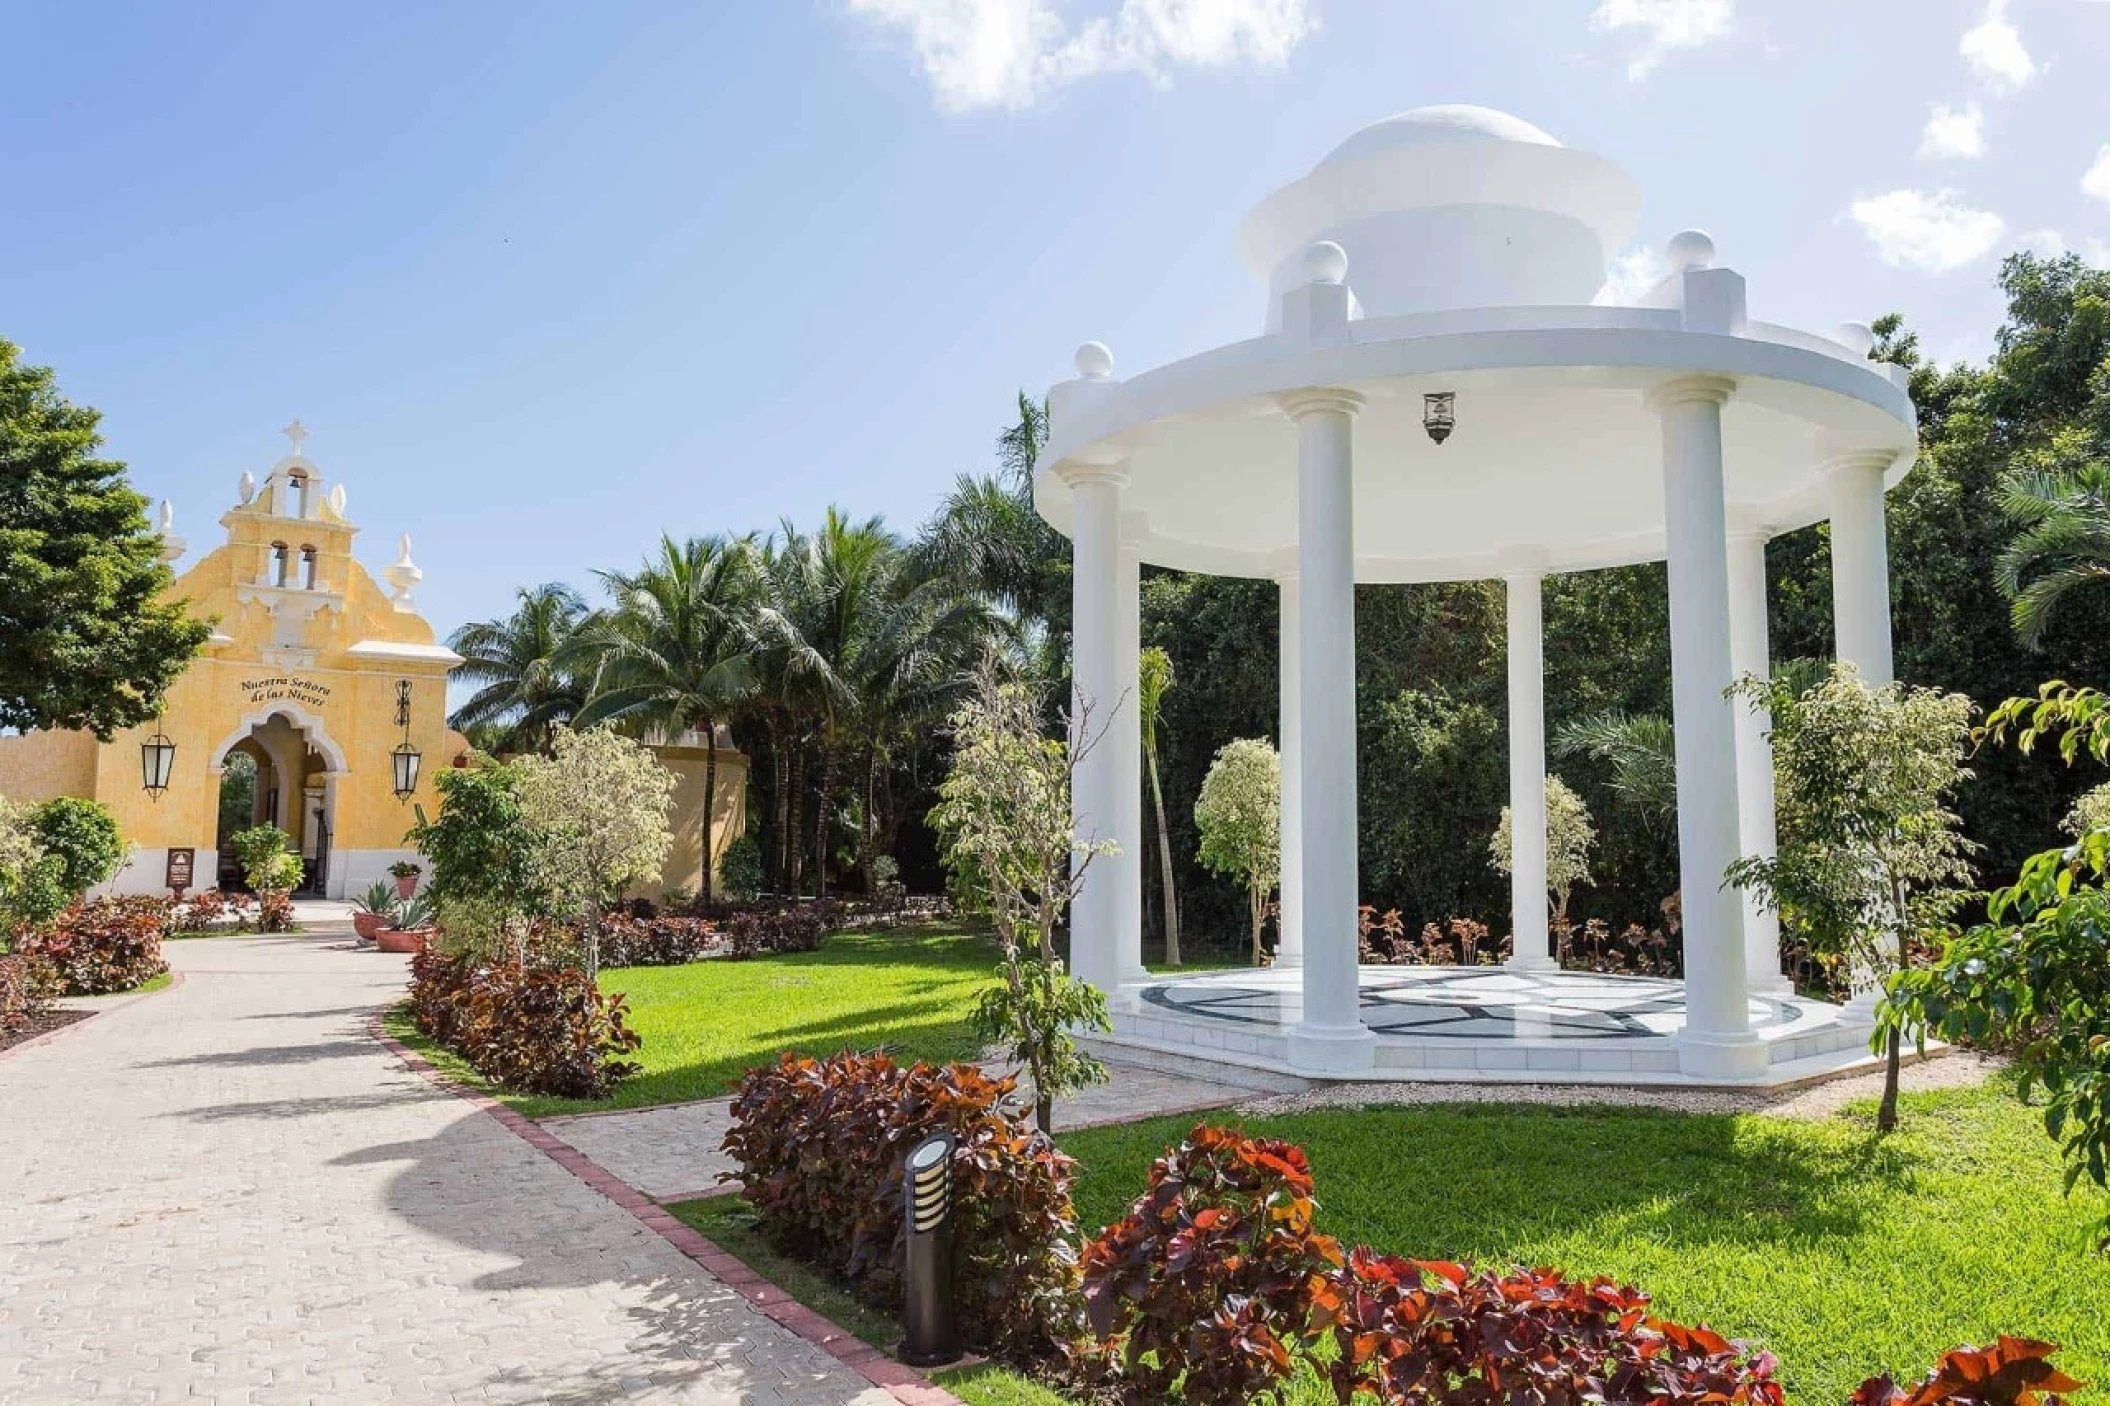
x: 322, y: 684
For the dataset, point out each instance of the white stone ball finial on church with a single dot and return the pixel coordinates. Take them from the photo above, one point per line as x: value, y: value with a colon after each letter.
x: 1326, y: 262
x: 1691, y: 249
x: 1094, y: 362
x: 1857, y: 337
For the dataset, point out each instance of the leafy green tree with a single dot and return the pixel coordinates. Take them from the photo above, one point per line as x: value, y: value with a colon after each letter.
x: 1154, y: 681
x: 596, y: 808
x: 1569, y: 836
x: 676, y: 652
x: 269, y: 862
x: 524, y: 691
x: 1239, y: 815
x: 31, y: 890
x: 1003, y: 820
x: 1870, y: 857
x: 2035, y: 978
x: 480, y: 847
x: 2090, y: 812
x: 81, y: 836
x: 90, y: 642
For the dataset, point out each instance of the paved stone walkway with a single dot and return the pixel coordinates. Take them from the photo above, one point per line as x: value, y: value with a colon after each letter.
x: 673, y: 1152
x: 227, y: 1192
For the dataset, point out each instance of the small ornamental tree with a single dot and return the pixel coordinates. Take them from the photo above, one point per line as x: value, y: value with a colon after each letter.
x: 266, y: 855
x: 31, y: 886
x: 82, y: 836
x: 90, y: 642
x: 2091, y: 811
x: 480, y: 847
x: 2035, y: 977
x: 1005, y: 833
x: 1153, y: 682
x: 598, y: 809
x: 1569, y: 835
x: 1239, y: 814
x: 1870, y: 857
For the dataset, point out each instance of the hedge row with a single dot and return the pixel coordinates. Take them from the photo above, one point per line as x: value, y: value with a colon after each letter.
x: 541, y: 1030
x: 103, y: 946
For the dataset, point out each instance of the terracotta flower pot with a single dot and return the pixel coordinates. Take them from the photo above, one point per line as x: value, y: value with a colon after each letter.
x: 405, y: 940
x: 406, y: 886
x: 367, y: 925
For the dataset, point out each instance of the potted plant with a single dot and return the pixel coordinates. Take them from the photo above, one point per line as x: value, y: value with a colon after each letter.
x: 375, y: 910
x: 408, y: 927
x: 406, y: 876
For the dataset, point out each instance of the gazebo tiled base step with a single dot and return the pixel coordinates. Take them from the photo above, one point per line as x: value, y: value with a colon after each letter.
x: 1476, y: 1024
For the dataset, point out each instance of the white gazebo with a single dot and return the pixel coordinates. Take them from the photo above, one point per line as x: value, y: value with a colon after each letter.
x: 1436, y: 397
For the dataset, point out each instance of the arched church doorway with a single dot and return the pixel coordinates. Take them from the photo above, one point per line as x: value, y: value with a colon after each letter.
x: 279, y: 771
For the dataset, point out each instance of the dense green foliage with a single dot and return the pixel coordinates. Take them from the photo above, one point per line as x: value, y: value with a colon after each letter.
x: 81, y: 838
x: 2036, y: 978
x: 90, y: 642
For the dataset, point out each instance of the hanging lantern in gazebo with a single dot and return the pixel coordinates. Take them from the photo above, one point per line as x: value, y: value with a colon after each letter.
x: 405, y: 758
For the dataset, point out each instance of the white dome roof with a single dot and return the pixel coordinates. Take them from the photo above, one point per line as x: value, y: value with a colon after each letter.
x: 1448, y: 123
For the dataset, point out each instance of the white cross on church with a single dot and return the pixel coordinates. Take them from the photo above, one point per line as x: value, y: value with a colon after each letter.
x: 295, y: 432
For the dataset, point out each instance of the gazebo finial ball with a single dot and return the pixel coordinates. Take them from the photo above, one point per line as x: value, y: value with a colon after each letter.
x: 1094, y: 362
x: 1857, y: 337
x: 1690, y: 249
x: 1326, y: 262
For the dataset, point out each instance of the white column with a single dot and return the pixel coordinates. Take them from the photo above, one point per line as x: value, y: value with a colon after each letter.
x: 1717, y: 1040
x: 1289, y: 950
x: 1331, y: 1036
x: 1095, y: 496
x: 1750, y: 653
x: 1530, y: 950
x: 1861, y: 564
x: 1861, y: 619
x: 1124, y: 737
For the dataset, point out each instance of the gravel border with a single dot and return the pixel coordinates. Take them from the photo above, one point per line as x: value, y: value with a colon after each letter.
x: 1815, y: 1102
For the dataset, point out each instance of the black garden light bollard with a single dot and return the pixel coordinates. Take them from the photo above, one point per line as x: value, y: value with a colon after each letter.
x: 929, y: 1338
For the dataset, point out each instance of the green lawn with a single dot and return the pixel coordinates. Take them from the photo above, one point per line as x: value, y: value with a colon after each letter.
x: 704, y: 1024
x: 1844, y: 1254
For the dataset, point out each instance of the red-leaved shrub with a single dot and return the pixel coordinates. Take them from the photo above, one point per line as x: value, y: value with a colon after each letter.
x: 660, y: 940
x: 1426, y: 1333
x: 101, y: 946
x: 1205, y: 1288
x: 26, y: 989
x: 542, y: 1030
x: 819, y: 1146
x: 2012, y: 1372
x: 798, y: 929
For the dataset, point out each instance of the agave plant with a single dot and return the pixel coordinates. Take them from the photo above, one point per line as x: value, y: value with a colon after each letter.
x: 415, y: 913
x: 380, y: 900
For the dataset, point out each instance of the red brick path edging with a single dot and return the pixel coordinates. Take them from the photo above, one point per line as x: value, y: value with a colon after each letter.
x: 904, y: 1383
x: 175, y: 980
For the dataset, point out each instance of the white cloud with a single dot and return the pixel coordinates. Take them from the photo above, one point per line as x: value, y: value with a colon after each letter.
x: 2045, y: 243
x: 1632, y: 277
x: 1013, y: 53
x: 1953, y: 134
x: 1664, y: 27
x: 2097, y: 181
x: 1993, y: 49
x: 1931, y: 232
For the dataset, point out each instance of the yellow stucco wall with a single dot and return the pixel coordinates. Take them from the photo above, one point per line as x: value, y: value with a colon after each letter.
x: 47, y: 764
x: 684, y: 868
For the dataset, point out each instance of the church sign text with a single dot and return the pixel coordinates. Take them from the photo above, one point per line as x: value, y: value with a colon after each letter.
x: 270, y: 690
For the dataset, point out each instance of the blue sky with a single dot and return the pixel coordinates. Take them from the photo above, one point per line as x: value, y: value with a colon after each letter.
x: 544, y: 279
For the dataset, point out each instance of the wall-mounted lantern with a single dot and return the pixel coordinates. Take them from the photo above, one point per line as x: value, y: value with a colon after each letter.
x: 1439, y: 414
x: 929, y: 1338
x: 405, y: 759
x: 157, y: 758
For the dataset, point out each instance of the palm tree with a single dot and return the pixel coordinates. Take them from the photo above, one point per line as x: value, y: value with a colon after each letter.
x: 1154, y: 681
x: 1643, y: 754
x: 2062, y: 540
x: 790, y: 677
x: 525, y: 692
x: 989, y: 537
x: 676, y: 651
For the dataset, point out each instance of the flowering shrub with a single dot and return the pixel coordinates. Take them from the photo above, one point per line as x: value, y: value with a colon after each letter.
x: 1425, y: 1333
x: 25, y: 991
x: 2012, y: 1372
x: 1206, y: 1287
x: 542, y: 1030
x: 655, y: 941
x: 110, y: 944
x: 819, y: 1147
